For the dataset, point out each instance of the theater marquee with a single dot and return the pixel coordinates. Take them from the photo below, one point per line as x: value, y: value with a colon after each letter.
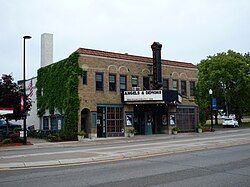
x: 145, y: 95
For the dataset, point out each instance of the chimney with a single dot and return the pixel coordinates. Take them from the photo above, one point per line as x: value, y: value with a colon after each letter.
x: 46, y: 49
x: 157, y: 74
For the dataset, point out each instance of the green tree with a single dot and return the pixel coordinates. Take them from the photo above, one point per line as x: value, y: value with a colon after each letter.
x: 227, y: 74
x: 10, y: 97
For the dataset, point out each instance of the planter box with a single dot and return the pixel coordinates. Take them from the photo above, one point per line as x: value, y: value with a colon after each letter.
x: 199, y: 130
x: 131, y: 135
x: 175, y: 132
x: 80, y: 138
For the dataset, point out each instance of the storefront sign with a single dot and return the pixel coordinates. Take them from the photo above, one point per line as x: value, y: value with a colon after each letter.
x: 145, y: 95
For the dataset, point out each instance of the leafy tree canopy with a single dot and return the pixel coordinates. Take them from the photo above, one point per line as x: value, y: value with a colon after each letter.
x: 10, y: 97
x: 228, y: 75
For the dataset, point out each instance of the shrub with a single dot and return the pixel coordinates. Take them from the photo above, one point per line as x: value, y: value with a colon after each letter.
x: 62, y: 135
x: 17, y: 129
x: 176, y: 129
x: 82, y: 133
x: 200, y: 126
x: 32, y: 134
x: 52, y: 138
x: 131, y: 130
x: 6, y: 141
x: 15, y: 138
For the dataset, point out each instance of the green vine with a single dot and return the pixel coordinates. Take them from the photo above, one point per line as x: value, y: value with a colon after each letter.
x: 57, y: 89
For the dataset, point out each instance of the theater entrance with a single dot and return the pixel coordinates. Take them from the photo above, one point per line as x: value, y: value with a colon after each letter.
x: 148, y: 119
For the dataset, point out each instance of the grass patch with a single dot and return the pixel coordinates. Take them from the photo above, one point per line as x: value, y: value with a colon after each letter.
x: 245, y: 125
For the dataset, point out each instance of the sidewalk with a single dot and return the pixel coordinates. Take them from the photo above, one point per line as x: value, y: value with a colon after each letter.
x: 40, y: 143
x: 43, y: 154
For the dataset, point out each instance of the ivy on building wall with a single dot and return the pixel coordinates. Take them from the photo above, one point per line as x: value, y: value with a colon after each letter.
x: 57, y: 90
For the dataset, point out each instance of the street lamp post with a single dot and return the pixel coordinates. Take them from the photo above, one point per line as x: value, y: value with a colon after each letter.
x: 24, y: 93
x: 211, y: 109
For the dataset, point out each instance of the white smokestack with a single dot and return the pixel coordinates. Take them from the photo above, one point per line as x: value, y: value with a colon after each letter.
x: 46, y: 49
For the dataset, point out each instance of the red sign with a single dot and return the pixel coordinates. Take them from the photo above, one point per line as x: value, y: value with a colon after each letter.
x: 4, y: 111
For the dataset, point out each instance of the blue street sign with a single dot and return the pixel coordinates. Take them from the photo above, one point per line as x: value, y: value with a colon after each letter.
x: 214, y: 104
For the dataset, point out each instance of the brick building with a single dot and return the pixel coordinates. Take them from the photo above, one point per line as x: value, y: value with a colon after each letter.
x: 118, y: 91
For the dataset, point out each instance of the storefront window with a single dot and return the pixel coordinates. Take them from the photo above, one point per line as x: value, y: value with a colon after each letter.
x: 185, y: 118
x: 57, y: 122
x: 45, y: 123
x: 114, y: 121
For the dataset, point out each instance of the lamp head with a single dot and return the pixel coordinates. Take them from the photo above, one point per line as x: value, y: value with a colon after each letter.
x: 27, y: 37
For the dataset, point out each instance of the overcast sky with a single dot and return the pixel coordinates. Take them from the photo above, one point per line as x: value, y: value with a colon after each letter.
x: 189, y: 30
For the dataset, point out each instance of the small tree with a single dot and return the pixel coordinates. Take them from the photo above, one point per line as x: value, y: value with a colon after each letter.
x: 10, y: 97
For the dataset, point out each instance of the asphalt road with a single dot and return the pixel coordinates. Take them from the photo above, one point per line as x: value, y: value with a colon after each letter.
x: 216, y: 167
x: 117, y: 149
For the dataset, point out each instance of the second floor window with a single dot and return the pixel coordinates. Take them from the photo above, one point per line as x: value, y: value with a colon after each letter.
x: 146, y: 83
x: 134, y: 81
x: 175, y: 85
x: 183, y: 88
x: 84, y: 77
x: 99, y: 81
x: 112, y: 82
x: 123, y: 82
x: 192, y: 87
x: 165, y: 84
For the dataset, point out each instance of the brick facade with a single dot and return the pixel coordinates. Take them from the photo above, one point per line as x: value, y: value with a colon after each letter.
x: 94, y: 61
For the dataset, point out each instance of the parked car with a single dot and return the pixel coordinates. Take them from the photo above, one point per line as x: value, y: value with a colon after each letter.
x: 222, y: 117
x: 229, y: 122
x: 3, y: 125
x: 232, y: 116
